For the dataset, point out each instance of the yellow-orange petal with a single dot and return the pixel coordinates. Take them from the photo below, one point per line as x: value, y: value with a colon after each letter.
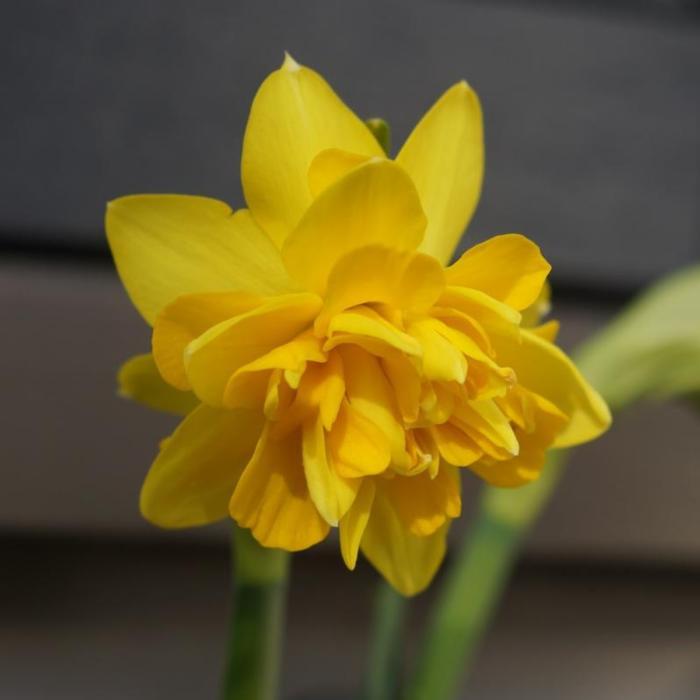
x: 213, y: 357
x: 249, y: 384
x: 332, y: 493
x: 509, y: 268
x: 425, y: 503
x: 352, y: 525
x: 455, y: 446
x: 186, y: 318
x: 357, y: 446
x: 543, y: 368
x: 364, y: 322
x: 441, y: 360
x: 272, y: 499
x: 406, y: 561
x: 370, y: 394
x: 193, y: 477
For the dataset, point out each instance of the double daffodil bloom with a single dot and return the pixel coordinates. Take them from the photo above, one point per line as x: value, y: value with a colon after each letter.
x: 333, y: 372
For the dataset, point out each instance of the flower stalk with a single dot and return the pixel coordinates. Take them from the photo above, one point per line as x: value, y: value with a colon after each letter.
x: 475, y: 583
x: 383, y: 680
x: 257, y: 619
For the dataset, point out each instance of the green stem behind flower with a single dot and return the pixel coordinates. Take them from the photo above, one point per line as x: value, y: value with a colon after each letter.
x: 257, y: 619
x: 475, y: 583
x: 384, y: 665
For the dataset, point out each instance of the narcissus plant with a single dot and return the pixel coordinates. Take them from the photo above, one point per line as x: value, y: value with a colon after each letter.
x: 334, y: 373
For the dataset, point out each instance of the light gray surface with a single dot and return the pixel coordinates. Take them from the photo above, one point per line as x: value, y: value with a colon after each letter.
x: 591, y: 119
x: 74, y: 455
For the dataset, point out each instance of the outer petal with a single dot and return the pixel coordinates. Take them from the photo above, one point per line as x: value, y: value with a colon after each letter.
x: 406, y: 561
x: 374, y: 204
x: 294, y: 116
x: 445, y: 158
x: 352, y: 525
x: 423, y: 503
x: 214, y: 356
x: 179, y: 323
x: 140, y: 380
x: 546, y: 370
x: 509, y: 268
x: 193, y: 477
x: 272, y: 499
x: 168, y: 245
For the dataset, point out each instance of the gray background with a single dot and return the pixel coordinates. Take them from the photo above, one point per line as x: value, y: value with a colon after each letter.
x: 592, y: 149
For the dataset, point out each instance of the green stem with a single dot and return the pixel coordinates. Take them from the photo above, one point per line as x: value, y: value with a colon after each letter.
x: 475, y: 583
x: 384, y: 667
x: 257, y: 619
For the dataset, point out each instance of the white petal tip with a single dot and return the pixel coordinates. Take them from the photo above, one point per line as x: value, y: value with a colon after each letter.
x: 289, y: 63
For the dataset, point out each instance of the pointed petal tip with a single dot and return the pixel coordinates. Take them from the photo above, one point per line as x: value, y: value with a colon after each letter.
x: 289, y: 63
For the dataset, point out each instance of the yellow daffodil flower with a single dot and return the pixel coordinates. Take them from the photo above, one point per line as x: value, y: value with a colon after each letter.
x: 333, y: 372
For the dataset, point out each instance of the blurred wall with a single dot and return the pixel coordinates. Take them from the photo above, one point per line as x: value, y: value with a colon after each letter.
x: 592, y: 150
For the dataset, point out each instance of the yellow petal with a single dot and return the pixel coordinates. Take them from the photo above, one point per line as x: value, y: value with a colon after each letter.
x: 168, y: 245
x: 249, y: 383
x: 547, y: 331
x: 294, y: 116
x: 455, y: 446
x: 193, y: 477
x: 332, y: 390
x: 405, y: 379
x: 375, y: 274
x: 353, y: 523
x: 374, y: 204
x: 272, y: 499
x: 546, y: 370
x: 484, y: 309
x: 180, y: 322
x: 423, y: 503
x: 444, y: 155
x: 139, y: 379
x: 509, y: 268
x: 356, y: 445
x: 509, y: 473
x: 371, y: 395
x: 213, y: 357
x: 544, y: 423
x: 484, y: 418
x: 329, y: 166
x: 332, y: 493
x: 539, y: 308
x: 346, y: 326
x: 406, y: 561
x: 442, y: 361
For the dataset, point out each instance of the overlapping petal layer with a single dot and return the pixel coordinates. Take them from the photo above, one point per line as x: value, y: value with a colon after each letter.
x: 335, y: 373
